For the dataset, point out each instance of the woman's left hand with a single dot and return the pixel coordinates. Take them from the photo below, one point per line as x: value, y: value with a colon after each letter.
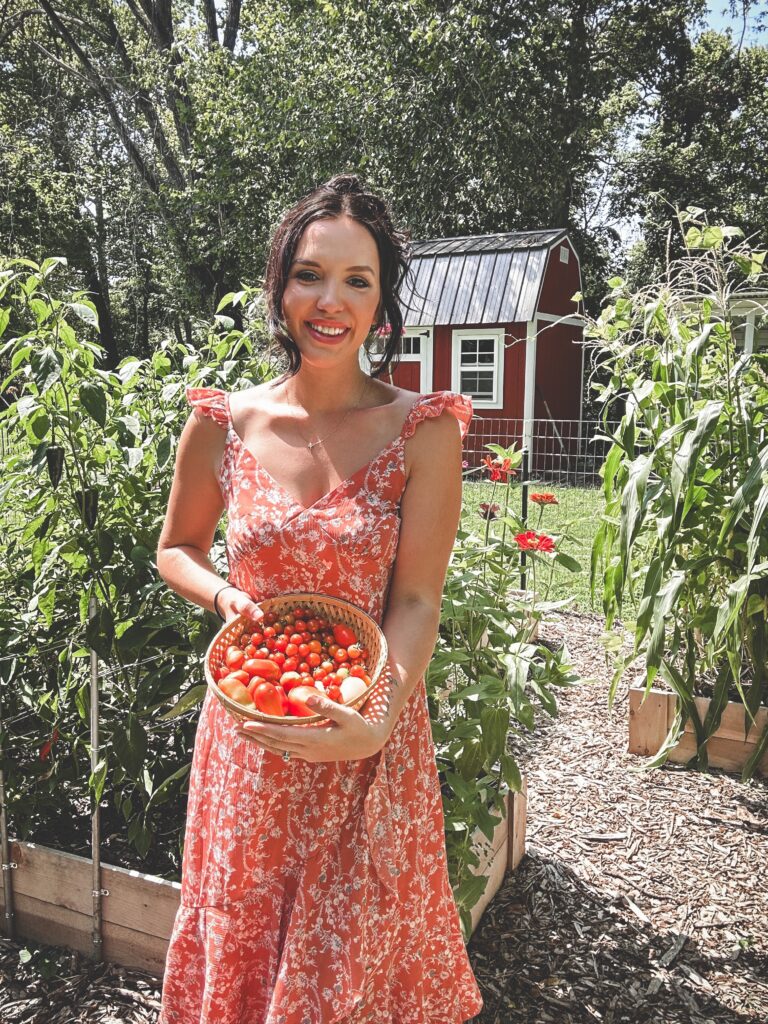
x: 348, y: 736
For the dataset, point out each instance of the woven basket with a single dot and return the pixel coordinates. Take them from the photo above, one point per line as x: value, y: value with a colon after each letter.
x: 336, y: 611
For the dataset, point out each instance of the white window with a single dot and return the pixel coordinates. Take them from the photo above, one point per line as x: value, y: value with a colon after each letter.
x: 478, y: 366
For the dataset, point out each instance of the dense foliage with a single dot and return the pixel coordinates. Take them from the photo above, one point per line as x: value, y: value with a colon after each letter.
x: 83, y: 498
x: 686, y: 481
x: 155, y: 145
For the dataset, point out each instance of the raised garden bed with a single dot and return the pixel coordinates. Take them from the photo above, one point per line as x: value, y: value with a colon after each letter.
x: 651, y: 720
x: 53, y: 903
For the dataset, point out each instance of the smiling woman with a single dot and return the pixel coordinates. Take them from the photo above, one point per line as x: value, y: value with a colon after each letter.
x: 314, y: 882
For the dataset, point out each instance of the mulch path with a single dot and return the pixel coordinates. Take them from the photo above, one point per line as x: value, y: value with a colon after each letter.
x: 643, y: 897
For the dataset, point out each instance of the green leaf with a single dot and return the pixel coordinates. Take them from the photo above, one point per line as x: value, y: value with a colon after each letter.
x: 190, y: 699
x: 97, y: 778
x: 86, y: 311
x: 162, y: 792
x: 494, y: 722
x: 95, y: 402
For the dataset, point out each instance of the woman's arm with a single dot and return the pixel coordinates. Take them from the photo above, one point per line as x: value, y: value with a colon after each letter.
x: 194, y: 509
x: 430, y: 511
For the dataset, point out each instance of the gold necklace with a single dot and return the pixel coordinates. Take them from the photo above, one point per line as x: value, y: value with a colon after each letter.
x: 313, y: 444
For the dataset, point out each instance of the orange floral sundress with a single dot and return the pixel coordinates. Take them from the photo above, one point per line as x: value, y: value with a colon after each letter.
x: 316, y: 893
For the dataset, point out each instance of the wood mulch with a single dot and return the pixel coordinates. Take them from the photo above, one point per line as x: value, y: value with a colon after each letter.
x: 643, y: 897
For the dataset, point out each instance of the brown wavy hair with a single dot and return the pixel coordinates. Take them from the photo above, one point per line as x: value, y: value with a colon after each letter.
x: 342, y: 194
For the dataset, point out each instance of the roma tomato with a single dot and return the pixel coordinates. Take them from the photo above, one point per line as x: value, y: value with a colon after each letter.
x: 234, y: 657
x: 239, y: 675
x: 297, y: 701
x: 263, y: 667
x: 267, y: 700
x: 343, y: 635
x: 235, y: 690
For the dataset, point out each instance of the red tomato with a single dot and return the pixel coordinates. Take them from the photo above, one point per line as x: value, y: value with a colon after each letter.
x: 313, y: 660
x: 340, y: 655
x: 357, y: 670
x: 239, y: 675
x: 234, y: 657
x: 290, y: 664
x: 249, y: 651
x: 221, y: 672
x: 235, y: 690
x: 281, y: 642
x: 334, y: 693
x: 267, y: 699
x: 313, y: 625
x: 297, y: 701
x: 329, y: 666
x: 289, y: 679
x: 278, y: 657
x: 291, y: 650
x: 257, y: 639
x: 263, y: 667
x: 343, y: 635
x: 269, y: 630
x: 299, y: 625
x: 283, y: 699
x: 355, y: 651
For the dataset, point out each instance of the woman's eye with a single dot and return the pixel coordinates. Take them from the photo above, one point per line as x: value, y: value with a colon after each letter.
x: 358, y: 281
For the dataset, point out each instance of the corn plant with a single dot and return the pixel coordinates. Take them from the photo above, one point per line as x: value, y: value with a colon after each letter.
x: 686, y: 480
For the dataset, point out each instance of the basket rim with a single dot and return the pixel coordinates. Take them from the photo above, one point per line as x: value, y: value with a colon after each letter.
x: 253, y: 714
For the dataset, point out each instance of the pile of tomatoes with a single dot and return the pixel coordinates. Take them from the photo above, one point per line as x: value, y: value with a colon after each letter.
x: 289, y: 658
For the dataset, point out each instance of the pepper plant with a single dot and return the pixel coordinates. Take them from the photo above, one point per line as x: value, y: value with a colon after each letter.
x: 83, y: 495
x: 488, y: 674
x: 686, y: 480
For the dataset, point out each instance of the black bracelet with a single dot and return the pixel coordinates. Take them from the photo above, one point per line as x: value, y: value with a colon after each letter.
x: 216, y: 597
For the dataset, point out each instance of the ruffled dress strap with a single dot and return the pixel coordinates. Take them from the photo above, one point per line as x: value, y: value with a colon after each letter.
x: 433, y: 404
x: 212, y: 402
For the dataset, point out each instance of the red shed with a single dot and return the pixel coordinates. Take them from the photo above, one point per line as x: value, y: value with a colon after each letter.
x: 492, y: 317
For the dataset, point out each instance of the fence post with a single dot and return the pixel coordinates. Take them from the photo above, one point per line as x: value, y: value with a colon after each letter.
x: 524, y: 515
x: 8, y: 865
x: 96, y: 892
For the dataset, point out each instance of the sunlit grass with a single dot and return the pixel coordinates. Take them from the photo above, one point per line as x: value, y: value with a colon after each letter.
x: 573, y: 522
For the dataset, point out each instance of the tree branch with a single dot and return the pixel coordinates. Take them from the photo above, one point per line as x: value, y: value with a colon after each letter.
x: 16, y: 20
x: 209, y: 9
x: 232, y: 24
x: 97, y: 81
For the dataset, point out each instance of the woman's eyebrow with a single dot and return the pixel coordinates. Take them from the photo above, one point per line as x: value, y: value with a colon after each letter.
x: 312, y: 263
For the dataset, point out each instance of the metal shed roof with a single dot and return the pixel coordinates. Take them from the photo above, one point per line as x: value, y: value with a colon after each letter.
x: 480, y: 279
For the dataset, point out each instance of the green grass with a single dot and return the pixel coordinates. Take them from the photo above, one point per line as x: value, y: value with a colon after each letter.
x: 574, y: 522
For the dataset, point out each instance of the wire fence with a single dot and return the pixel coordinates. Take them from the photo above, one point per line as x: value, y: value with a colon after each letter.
x: 560, y: 451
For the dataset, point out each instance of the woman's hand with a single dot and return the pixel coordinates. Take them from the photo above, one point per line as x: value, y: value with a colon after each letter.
x: 234, y: 602
x: 346, y: 737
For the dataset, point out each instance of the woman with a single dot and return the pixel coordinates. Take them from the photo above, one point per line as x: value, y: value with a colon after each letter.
x: 314, y: 880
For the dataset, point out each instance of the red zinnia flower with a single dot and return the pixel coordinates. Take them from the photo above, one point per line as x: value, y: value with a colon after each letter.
x: 532, y: 541
x: 489, y: 511
x: 544, y: 499
x: 499, y: 469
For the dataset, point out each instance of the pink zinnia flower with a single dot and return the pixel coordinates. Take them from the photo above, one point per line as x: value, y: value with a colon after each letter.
x: 488, y: 511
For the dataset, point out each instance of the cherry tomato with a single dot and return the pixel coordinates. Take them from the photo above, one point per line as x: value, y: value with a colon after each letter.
x: 357, y: 670
x: 269, y: 631
x: 313, y: 660
x: 281, y: 642
x: 291, y: 650
x: 234, y: 657
x: 343, y: 635
x: 334, y: 692
x: 313, y: 625
x: 355, y: 651
x: 340, y: 655
x: 290, y: 664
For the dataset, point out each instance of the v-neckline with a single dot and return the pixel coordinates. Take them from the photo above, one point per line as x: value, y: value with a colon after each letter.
x: 343, y: 483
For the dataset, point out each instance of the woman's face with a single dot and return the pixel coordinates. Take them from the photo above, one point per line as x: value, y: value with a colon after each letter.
x: 332, y: 284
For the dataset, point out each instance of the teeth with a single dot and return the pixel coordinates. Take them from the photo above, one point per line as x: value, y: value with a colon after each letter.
x: 327, y: 330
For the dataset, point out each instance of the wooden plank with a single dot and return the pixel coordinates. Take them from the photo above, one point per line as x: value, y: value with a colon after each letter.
x: 516, y: 823
x: 726, y: 748
x: 493, y: 863
x: 647, y: 721
x: 143, y: 903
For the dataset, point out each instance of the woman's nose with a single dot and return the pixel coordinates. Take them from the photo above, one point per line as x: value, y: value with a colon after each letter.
x: 330, y: 298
